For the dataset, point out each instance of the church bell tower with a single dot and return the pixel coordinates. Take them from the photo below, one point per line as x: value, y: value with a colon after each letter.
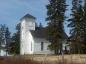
x: 27, y: 24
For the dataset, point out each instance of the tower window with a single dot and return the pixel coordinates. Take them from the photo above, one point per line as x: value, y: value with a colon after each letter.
x: 42, y: 46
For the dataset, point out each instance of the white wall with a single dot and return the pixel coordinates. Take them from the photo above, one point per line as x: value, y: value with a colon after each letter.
x: 65, y: 44
x: 30, y: 24
x: 2, y: 52
x: 26, y: 38
x: 30, y: 45
x: 37, y: 46
x: 22, y: 36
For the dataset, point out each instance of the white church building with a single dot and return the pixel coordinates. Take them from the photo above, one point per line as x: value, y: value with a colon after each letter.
x: 32, y: 39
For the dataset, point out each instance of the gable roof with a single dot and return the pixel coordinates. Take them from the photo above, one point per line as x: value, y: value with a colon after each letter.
x: 41, y: 33
x: 64, y: 35
x: 28, y: 16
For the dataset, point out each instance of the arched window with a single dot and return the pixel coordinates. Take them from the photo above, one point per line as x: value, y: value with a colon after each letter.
x: 31, y: 46
x: 42, y: 46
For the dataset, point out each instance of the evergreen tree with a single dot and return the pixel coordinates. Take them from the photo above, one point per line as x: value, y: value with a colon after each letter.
x: 40, y: 25
x: 4, y: 37
x: 55, y: 13
x: 7, y: 39
x: 1, y: 34
x: 77, y: 25
x: 15, y: 44
x: 83, y: 37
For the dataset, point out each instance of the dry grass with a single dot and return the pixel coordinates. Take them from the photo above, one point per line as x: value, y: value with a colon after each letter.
x: 16, y: 60
x: 53, y: 59
x: 44, y: 59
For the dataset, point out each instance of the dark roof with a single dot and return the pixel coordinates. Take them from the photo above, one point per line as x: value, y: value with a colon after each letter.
x: 28, y: 16
x: 64, y: 35
x: 41, y: 33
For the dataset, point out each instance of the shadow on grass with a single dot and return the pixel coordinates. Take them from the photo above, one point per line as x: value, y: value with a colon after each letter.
x: 15, y: 60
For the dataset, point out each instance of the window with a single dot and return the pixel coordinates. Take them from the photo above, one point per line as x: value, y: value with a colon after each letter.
x: 42, y: 45
x: 31, y: 46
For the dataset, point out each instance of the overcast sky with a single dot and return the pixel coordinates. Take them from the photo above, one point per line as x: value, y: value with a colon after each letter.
x: 12, y: 10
